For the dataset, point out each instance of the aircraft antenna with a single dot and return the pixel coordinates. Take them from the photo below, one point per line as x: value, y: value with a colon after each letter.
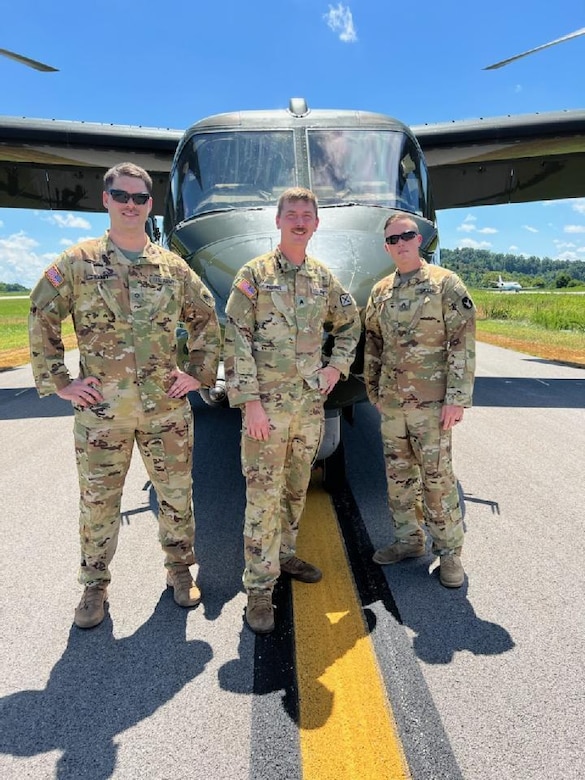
x: 298, y: 107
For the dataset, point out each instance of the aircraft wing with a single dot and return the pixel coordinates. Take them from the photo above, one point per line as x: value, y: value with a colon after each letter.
x: 56, y: 164
x: 511, y: 159
x: 50, y: 164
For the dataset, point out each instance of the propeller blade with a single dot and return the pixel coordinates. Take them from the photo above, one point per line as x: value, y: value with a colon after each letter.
x: 27, y: 61
x: 568, y: 37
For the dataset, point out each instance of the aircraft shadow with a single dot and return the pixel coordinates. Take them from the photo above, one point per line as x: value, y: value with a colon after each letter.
x: 20, y: 403
x: 516, y: 392
x: 101, y: 687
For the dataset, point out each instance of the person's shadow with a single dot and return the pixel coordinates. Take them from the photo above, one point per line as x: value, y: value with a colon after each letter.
x: 443, y: 620
x: 99, y: 688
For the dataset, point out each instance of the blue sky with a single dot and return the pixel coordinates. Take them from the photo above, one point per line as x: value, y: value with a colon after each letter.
x: 168, y: 66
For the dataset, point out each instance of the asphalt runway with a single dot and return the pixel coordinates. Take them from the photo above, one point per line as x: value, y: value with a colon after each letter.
x: 482, y: 683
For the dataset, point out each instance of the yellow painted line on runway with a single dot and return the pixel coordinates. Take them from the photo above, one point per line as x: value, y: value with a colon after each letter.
x: 347, y: 728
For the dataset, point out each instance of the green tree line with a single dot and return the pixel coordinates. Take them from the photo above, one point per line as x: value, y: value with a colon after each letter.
x: 7, y: 288
x: 481, y: 268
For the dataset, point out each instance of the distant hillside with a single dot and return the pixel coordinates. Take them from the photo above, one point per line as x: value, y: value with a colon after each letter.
x: 480, y: 268
x: 8, y: 288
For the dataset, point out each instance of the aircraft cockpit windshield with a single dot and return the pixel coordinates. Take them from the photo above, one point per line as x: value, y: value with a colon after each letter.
x: 369, y: 167
x: 233, y: 169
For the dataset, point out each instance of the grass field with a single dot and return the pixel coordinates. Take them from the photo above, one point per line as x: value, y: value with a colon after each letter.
x: 548, y: 325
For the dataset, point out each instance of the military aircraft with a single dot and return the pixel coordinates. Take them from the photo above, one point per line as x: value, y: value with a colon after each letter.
x: 508, y: 286
x: 217, y: 185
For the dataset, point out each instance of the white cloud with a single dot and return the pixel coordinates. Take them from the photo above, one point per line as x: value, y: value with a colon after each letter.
x: 466, y: 227
x: 574, y: 228
x: 69, y: 221
x: 470, y: 243
x: 65, y: 242
x: 20, y: 262
x: 570, y: 256
x: 487, y: 231
x: 579, y: 206
x: 530, y: 229
x: 513, y: 248
x: 340, y: 20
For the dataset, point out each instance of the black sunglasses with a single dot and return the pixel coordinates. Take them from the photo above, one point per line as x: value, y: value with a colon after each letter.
x: 121, y: 196
x: 408, y: 235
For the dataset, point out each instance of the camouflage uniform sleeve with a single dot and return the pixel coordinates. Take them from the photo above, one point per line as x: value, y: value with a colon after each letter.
x: 373, y: 348
x: 343, y: 323
x: 240, y: 366
x: 459, y: 315
x: 201, y: 323
x: 50, y: 304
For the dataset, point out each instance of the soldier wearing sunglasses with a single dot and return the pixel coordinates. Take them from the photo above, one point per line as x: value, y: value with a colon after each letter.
x: 419, y: 370
x: 126, y: 296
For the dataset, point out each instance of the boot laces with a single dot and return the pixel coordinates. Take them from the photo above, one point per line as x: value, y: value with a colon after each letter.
x: 262, y: 600
x: 92, y: 597
x: 182, y: 578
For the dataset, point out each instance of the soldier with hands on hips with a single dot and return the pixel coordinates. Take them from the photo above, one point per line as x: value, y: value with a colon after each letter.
x: 419, y: 371
x: 127, y: 296
x: 278, y: 308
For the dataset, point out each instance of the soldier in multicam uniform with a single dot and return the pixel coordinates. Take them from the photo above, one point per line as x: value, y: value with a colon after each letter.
x: 277, y: 310
x: 126, y: 296
x: 419, y: 371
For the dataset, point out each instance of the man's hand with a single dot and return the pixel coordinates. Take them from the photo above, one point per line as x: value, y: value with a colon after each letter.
x: 257, y: 421
x: 183, y: 383
x: 450, y: 416
x: 82, y: 392
x: 328, y: 378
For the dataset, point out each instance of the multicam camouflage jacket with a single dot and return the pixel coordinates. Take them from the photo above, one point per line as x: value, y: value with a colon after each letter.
x: 125, y: 314
x: 420, y: 340
x: 277, y: 313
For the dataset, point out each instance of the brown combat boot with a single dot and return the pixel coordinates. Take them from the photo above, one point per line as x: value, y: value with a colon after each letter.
x: 186, y: 593
x: 260, y: 612
x: 451, y: 573
x: 411, y: 547
x: 300, y: 570
x: 90, y: 610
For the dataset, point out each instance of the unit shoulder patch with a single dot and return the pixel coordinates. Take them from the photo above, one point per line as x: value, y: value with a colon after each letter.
x: 345, y: 299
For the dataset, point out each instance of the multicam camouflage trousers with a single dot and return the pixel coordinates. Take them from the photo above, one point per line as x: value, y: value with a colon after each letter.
x: 277, y: 475
x: 103, y: 457
x: 417, y: 453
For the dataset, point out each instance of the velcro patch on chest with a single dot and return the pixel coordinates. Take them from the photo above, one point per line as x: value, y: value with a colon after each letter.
x: 54, y: 276
x: 158, y: 279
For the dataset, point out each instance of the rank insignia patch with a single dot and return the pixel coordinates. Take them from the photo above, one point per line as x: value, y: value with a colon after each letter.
x: 345, y: 299
x: 247, y: 288
x: 54, y: 276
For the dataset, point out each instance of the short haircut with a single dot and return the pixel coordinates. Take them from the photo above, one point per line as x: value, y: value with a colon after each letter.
x: 127, y: 169
x: 297, y: 193
x: 401, y: 216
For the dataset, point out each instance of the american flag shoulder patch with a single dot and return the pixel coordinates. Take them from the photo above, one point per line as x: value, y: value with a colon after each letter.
x: 345, y: 299
x: 54, y: 276
x: 247, y: 288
